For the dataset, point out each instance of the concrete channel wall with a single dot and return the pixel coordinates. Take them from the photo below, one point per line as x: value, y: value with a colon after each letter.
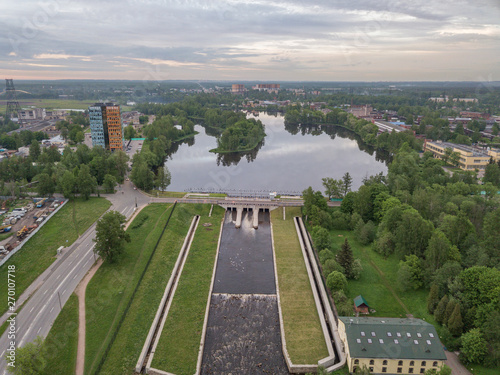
x: 165, y: 302
x: 19, y: 247
x: 327, y: 362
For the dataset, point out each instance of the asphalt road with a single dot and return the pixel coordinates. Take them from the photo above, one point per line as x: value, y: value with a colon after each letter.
x: 40, y: 311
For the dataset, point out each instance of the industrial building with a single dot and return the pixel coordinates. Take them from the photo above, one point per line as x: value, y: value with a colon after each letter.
x: 390, y: 345
x: 106, y: 126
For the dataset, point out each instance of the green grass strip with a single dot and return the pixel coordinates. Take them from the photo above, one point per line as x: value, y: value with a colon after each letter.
x: 304, y: 337
x: 40, y: 251
x: 177, y: 350
x: 130, y: 339
x: 62, y: 340
x: 110, y: 290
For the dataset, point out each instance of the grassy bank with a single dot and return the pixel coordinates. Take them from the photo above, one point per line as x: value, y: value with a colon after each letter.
x: 129, y: 342
x: 62, y: 340
x: 177, y: 350
x: 111, y: 288
x: 304, y: 338
x: 167, y: 194
x: 39, y: 252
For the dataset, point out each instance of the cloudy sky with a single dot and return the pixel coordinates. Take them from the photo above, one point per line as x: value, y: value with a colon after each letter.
x: 336, y: 40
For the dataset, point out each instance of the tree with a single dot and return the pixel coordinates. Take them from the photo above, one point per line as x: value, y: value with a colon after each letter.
x: 67, y: 184
x: 492, y: 174
x: 35, y: 150
x: 111, y: 236
x: 163, y: 178
x: 31, y: 359
x: 437, y: 251
x: 474, y: 347
x: 332, y: 187
x: 433, y: 298
x: 129, y: 132
x: 440, y: 309
x: 346, y: 183
x: 321, y: 238
x: 109, y: 184
x: 410, y: 273
x: 336, y: 281
x: 455, y: 323
x: 346, y: 259
x: 448, y: 311
x: 87, y: 184
x: 46, y: 186
x: 455, y: 158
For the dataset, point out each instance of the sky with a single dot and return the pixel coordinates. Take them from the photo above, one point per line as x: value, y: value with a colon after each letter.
x: 294, y: 40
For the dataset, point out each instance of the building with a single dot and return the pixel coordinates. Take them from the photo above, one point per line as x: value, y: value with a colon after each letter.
x: 269, y: 87
x: 470, y: 158
x: 238, y: 88
x: 106, y: 126
x: 360, y: 305
x: 390, y: 345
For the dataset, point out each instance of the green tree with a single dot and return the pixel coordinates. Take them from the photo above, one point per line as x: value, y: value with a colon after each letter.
x: 437, y: 251
x: 86, y: 183
x: 67, y: 184
x: 410, y: 274
x: 346, y: 259
x: 31, y: 359
x: 35, y: 150
x: 142, y: 176
x: 346, y: 184
x: 492, y: 174
x: 321, y: 238
x: 111, y: 236
x: 455, y: 323
x: 129, y: 132
x: 163, y: 178
x: 433, y: 298
x: 474, y: 347
x: 332, y: 187
x: 440, y: 309
x: 455, y: 158
x: 46, y: 185
x: 109, y: 184
x: 336, y: 281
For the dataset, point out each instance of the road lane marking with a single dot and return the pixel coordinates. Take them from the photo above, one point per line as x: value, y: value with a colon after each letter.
x: 124, y: 210
x: 51, y: 309
x: 32, y: 308
x: 58, y: 277
x: 39, y: 329
x: 53, y: 295
x: 44, y: 293
x: 63, y: 291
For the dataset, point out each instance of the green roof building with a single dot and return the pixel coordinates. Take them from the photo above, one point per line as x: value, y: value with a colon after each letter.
x: 391, y: 345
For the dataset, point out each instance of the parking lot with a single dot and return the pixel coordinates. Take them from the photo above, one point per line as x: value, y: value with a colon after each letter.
x: 27, y: 221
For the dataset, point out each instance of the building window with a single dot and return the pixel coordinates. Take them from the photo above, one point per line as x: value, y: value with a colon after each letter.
x: 435, y: 364
x: 410, y: 370
x: 356, y: 361
x: 400, y: 370
x: 412, y: 363
x: 371, y: 369
x: 385, y: 362
x: 423, y: 363
x: 400, y: 363
x: 372, y: 362
x: 384, y: 369
x: 422, y: 370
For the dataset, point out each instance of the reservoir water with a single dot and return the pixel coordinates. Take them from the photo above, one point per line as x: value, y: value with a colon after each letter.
x: 288, y: 160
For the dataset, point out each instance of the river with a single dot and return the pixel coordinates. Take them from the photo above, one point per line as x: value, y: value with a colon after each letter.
x: 287, y: 161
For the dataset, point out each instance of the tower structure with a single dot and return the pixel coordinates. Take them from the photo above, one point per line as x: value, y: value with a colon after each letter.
x: 12, y: 103
x: 106, y: 126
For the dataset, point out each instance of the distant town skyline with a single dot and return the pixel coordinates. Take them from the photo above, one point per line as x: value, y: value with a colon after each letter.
x: 318, y: 40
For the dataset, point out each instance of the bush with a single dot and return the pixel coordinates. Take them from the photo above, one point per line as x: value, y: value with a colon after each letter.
x: 357, y: 269
x: 340, y: 220
x: 324, y: 255
x: 336, y: 281
x: 332, y: 265
x: 384, y: 244
x: 365, y: 233
x: 343, y: 304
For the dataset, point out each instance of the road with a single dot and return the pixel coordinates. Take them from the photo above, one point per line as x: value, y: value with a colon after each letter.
x: 40, y: 311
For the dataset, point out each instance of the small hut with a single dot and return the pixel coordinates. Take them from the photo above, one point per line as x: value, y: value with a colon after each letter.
x: 360, y: 305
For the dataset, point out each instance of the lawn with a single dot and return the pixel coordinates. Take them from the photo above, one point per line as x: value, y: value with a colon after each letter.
x: 177, y: 350
x: 167, y: 194
x: 304, y: 338
x: 377, y: 278
x: 112, y: 287
x: 62, y: 340
x: 39, y: 252
x: 125, y: 351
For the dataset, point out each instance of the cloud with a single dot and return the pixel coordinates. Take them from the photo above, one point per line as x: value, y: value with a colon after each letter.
x: 255, y: 39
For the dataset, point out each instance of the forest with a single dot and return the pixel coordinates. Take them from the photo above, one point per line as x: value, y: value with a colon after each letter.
x: 445, y: 231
